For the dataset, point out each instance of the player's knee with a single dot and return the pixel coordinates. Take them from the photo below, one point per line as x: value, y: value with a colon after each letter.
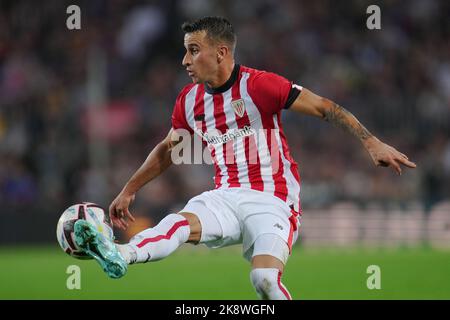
x: 194, y: 225
x: 265, y: 281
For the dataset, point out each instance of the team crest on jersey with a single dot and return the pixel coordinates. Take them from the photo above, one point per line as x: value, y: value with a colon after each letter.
x: 238, y: 107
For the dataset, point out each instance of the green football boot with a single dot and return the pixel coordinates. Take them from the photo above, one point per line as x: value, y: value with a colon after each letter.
x: 96, y: 245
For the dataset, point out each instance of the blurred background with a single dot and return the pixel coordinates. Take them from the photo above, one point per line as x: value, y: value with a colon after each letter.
x: 81, y: 109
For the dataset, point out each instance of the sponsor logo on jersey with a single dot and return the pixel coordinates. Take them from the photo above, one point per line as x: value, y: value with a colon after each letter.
x: 228, y: 136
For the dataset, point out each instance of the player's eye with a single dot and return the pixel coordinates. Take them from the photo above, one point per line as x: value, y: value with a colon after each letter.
x: 194, y: 51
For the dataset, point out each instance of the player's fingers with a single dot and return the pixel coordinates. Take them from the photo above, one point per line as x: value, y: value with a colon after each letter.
x: 119, y: 225
x: 116, y: 216
x: 129, y: 215
x: 121, y: 218
x: 399, y: 155
x: 116, y: 222
x: 112, y: 210
x: 396, y: 167
x: 120, y: 213
x: 124, y: 223
x: 113, y: 220
x: 407, y: 163
x: 382, y: 163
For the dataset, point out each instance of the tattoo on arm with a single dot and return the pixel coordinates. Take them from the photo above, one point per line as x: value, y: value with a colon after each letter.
x: 344, y: 119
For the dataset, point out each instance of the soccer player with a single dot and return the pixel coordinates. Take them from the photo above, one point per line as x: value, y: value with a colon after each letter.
x: 236, y: 110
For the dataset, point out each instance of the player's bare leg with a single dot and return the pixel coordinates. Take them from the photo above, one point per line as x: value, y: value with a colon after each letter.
x: 160, y: 241
x: 266, y: 277
x: 267, y: 261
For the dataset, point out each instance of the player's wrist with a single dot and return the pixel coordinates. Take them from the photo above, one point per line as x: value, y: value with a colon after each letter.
x: 370, y: 142
x: 128, y: 191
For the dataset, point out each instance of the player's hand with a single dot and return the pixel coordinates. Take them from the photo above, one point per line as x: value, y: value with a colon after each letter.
x: 118, y: 210
x: 386, y: 156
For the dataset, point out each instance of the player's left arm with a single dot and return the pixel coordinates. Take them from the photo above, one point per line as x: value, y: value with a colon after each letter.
x: 382, y: 154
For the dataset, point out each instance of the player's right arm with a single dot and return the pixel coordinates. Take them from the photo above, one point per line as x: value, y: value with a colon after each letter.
x: 156, y: 163
x: 159, y: 159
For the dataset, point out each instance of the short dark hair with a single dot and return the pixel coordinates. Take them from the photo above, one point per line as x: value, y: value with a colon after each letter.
x: 217, y: 29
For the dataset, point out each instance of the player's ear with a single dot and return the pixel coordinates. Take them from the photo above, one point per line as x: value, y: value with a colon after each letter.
x: 222, y: 51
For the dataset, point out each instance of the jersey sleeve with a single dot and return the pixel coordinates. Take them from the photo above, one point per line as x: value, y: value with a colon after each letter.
x: 272, y: 93
x: 179, y: 113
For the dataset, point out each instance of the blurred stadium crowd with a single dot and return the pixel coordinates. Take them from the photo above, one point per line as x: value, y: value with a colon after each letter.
x: 395, y: 80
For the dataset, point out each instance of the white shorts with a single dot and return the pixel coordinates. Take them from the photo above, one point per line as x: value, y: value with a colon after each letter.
x: 236, y: 215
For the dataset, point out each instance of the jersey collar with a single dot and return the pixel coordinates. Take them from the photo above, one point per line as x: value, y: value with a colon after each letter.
x: 227, y: 85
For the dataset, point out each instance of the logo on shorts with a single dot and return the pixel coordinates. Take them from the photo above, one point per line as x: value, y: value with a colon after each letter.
x: 276, y: 225
x: 238, y: 107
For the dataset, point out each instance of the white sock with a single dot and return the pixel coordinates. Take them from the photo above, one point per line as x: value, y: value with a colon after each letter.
x: 158, y: 242
x: 127, y: 252
x: 267, y: 283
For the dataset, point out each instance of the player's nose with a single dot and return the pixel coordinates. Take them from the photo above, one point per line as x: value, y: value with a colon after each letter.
x: 186, y: 61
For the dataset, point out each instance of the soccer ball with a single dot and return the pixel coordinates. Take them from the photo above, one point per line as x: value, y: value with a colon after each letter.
x: 88, y: 211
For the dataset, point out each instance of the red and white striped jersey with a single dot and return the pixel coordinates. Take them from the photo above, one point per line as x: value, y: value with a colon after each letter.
x: 240, y: 122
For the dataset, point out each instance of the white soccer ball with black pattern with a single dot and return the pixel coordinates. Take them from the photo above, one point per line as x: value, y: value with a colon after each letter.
x: 88, y: 211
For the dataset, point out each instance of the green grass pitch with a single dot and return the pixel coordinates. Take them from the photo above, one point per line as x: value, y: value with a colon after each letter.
x: 200, y: 273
